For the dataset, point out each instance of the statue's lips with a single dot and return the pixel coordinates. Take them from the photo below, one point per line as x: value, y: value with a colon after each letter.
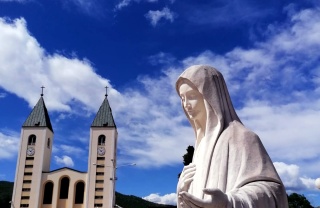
x: 191, y: 112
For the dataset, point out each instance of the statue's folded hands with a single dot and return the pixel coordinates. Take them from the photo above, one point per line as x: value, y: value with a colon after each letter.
x: 186, y: 177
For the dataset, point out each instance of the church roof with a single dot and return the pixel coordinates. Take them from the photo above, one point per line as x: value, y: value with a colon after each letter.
x: 64, y: 168
x: 104, y: 116
x: 39, y: 116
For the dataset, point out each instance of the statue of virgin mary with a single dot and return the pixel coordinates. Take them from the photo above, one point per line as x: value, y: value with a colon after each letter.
x: 230, y: 167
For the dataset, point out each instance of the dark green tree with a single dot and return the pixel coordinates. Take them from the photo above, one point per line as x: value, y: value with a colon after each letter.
x: 187, y: 158
x: 298, y: 201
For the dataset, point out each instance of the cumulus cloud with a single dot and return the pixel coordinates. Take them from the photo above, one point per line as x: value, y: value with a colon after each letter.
x: 9, y: 144
x: 291, y: 178
x: 63, y: 77
x: 170, y: 199
x: 64, y: 160
x: 288, y: 131
x: 155, y: 16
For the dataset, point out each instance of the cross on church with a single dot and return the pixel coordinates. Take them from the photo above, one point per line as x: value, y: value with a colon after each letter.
x: 42, y: 90
x: 106, y: 91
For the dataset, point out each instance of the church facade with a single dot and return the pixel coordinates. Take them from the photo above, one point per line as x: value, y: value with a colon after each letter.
x: 37, y: 186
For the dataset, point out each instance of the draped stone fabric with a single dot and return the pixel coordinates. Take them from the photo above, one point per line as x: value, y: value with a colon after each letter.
x: 230, y: 157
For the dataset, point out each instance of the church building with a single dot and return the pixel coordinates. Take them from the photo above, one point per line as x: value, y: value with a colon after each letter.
x: 37, y: 186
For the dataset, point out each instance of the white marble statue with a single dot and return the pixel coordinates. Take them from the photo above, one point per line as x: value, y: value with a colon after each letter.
x: 230, y: 168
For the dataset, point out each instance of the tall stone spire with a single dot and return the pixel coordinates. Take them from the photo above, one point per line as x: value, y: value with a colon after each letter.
x: 104, y: 116
x: 39, y: 116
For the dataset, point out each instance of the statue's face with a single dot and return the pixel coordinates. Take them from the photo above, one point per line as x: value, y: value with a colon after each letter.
x: 192, y: 101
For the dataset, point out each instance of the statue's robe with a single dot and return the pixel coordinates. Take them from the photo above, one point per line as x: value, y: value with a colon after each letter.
x: 239, y: 166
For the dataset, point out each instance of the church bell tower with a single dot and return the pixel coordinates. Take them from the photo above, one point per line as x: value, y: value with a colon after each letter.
x: 34, y: 156
x: 102, y: 159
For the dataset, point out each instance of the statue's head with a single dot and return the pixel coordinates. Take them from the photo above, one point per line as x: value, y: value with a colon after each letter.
x: 191, y: 100
x: 208, y: 85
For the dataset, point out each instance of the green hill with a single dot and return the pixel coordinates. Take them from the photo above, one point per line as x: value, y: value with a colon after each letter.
x: 129, y: 201
x: 125, y: 201
x: 6, y: 189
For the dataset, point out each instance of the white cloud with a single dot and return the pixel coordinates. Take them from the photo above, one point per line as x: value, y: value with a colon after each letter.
x: 155, y: 16
x: 291, y: 178
x: 9, y: 144
x: 20, y: 53
x: 64, y: 160
x: 122, y: 4
x: 169, y: 199
x: 289, y: 131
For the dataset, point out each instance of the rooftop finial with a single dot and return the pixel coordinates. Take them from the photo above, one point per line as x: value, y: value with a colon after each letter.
x: 106, y: 91
x: 42, y: 90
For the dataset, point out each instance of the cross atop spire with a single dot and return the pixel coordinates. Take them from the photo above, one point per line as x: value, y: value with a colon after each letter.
x: 106, y: 91
x: 42, y: 90
x: 104, y: 116
x: 39, y: 116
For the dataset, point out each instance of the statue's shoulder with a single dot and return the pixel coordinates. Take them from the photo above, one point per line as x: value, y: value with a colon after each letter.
x: 237, y: 132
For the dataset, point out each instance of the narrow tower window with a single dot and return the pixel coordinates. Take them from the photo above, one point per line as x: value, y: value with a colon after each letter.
x: 64, y: 188
x: 48, y: 143
x: 101, y: 139
x: 48, y: 190
x: 79, y: 193
x: 32, y: 139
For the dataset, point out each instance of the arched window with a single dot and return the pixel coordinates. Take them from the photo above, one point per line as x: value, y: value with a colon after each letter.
x: 64, y: 188
x: 48, y: 143
x: 32, y: 139
x: 48, y: 190
x: 79, y: 193
x: 101, y: 139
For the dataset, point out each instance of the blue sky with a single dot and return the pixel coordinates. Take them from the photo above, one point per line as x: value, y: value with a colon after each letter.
x: 268, y: 52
